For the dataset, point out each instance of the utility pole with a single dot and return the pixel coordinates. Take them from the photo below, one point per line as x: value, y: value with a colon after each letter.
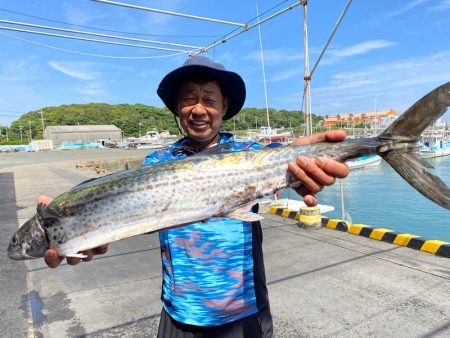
x: 29, y: 128
x: 7, y: 138
x: 376, y: 114
x: 20, y: 127
x: 42, y: 121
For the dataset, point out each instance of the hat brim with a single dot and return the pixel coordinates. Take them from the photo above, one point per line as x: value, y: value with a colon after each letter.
x: 231, y: 83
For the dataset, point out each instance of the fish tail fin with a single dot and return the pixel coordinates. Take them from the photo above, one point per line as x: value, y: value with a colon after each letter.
x: 420, y: 115
x: 414, y: 170
x: 407, y: 129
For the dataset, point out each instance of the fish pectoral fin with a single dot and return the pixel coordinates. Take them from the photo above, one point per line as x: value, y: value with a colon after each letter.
x: 244, y: 215
x: 46, y: 212
x: 77, y: 255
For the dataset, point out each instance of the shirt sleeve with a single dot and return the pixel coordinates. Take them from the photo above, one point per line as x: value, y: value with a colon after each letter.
x: 157, y: 156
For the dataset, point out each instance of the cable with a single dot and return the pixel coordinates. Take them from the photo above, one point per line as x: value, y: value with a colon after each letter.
x: 109, y: 30
x: 331, y: 37
x: 96, y: 34
x: 90, y: 40
x: 256, y: 17
x: 90, y: 54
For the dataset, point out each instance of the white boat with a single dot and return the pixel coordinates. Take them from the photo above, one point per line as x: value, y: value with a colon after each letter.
x: 433, y: 142
x: 439, y: 149
x: 267, y: 134
x: 364, y: 162
x: 152, y: 140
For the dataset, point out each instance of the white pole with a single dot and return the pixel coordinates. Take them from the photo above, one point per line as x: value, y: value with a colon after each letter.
x: 264, y: 73
x: 169, y: 12
x: 307, y: 77
x: 42, y: 121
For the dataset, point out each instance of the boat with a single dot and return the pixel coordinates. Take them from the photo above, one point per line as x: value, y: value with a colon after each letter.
x: 151, y: 140
x: 267, y: 135
x: 363, y: 162
x: 433, y: 142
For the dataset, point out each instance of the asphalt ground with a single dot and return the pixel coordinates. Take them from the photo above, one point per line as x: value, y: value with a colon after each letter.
x: 322, y: 283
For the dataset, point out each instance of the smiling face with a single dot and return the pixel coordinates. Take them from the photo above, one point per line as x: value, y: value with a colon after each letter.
x: 201, y: 106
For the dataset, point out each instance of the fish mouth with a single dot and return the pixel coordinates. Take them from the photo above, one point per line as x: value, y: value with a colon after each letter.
x: 16, y: 254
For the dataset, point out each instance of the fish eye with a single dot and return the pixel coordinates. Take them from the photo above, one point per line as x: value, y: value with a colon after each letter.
x: 14, y: 239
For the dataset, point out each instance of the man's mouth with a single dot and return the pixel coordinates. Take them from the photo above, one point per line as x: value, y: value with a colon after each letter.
x: 198, y: 122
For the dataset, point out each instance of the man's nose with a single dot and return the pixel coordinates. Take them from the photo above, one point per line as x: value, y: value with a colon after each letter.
x: 199, y: 109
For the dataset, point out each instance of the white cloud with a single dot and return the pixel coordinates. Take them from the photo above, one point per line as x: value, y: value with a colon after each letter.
x: 77, y: 70
x: 82, y: 14
x: 410, y: 5
x: 18, y: 70
x: 398, y: 84
x: 91, y: 90
x: 361, y: 48
x: 276, y: 56
x: 291, y: 73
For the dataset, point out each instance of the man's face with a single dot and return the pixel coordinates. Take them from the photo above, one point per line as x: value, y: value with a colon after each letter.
x: 201, y: 107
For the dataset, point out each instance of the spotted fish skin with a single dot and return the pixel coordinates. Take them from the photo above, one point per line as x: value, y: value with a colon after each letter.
x: 199, y: 187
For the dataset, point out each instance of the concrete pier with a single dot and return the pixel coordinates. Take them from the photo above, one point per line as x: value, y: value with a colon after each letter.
x: 322, y: 283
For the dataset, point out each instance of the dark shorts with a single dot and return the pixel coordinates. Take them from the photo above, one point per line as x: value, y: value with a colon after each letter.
x: 254, y: 326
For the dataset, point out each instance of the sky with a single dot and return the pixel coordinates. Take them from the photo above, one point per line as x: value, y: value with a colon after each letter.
x: 384, y: 54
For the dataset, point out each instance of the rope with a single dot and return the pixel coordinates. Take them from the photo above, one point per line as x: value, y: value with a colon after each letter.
x: 90, y: 54
x: 330, y: 38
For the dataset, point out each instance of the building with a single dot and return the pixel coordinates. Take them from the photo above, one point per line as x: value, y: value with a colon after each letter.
x: 347, y: 120
x: 82, y: 134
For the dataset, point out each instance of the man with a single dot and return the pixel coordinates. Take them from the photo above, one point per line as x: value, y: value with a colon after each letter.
x: 213, y: 271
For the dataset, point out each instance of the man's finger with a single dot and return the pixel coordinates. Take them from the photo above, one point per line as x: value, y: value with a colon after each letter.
x: 73, y: 260
x: 327, y: 136
x: 52, y: 259
x: 42, y: 199
x: 310, y: 200
x: 89, y: 254
x: 299, y: 172
x: 100, y: 250
x: 332, y: 169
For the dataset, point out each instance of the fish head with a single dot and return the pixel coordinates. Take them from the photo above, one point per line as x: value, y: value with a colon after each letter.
x: 29, y: 241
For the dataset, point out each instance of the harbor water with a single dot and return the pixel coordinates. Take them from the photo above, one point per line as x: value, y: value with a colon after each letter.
x: 379, y: 197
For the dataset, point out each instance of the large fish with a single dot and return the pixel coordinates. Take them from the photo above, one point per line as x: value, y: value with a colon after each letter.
x: 199, y: 187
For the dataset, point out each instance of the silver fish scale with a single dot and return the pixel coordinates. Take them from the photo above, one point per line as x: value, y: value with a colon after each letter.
x: 181, y: 192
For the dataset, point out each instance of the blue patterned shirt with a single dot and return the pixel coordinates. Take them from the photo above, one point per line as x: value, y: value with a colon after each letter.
x: 213, y: 271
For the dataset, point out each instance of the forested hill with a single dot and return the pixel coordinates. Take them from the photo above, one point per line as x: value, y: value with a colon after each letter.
x: 132, y: 118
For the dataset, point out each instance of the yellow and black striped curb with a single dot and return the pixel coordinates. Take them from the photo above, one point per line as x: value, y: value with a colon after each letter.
x: 436, y: 247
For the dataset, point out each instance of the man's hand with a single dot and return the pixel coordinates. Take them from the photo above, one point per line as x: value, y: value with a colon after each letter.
x: 314, y: 174
x: 51, y: 255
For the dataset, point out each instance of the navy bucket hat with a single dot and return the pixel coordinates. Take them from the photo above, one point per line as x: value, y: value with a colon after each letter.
x: 231, y: 83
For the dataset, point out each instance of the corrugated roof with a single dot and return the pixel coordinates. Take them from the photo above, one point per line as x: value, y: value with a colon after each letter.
x: 82, y: 128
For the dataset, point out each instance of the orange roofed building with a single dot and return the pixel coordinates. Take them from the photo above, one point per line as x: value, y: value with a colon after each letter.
x: 356, y: 118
